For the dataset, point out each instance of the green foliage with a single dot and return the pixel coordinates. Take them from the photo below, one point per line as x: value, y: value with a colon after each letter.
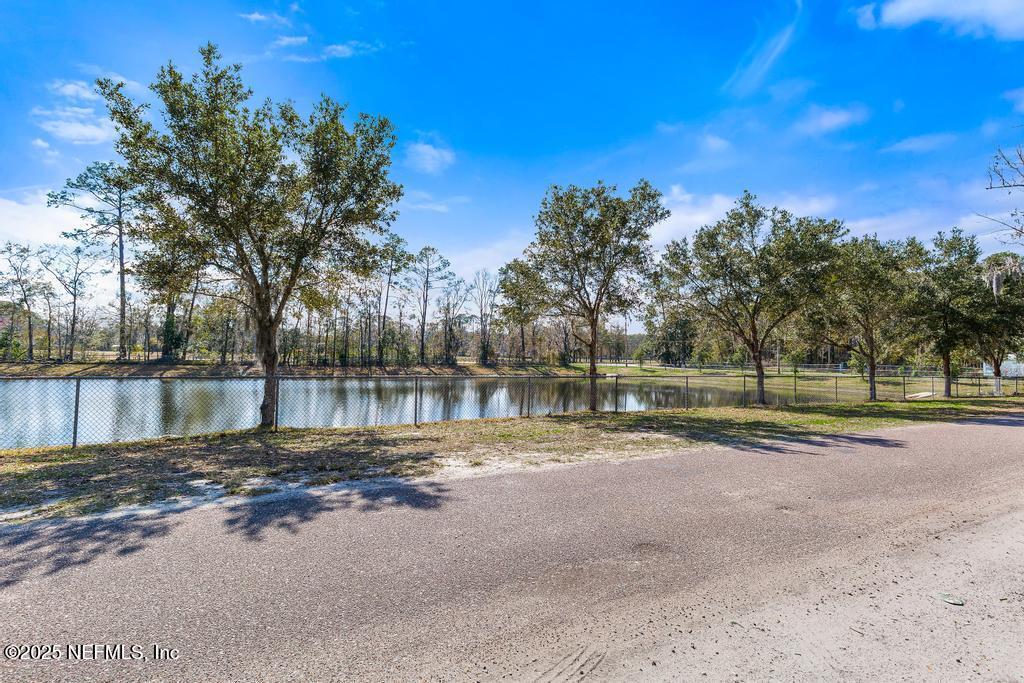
x: 591, y: 249
x: 523, y: 297
x: 998, y: 324
x: 863, y: 308
x: 269, y: 196
x: 946, y: 293
x: 753, y: 270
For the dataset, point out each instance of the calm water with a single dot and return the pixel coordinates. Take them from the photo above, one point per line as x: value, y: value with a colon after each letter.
x: 39, y: 412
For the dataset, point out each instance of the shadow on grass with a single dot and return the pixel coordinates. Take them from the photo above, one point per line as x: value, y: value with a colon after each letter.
x: 98, y: 478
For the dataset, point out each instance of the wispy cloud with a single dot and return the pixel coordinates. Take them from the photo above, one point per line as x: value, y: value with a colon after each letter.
x: 752, y: 70
x: 29, y: 219
x: 688, y: 213
x: 1017, y: 97
x: 1003, y: 19
x: 418, y: 200
x: 99, y: 72
x: 46, y: 152
x: 77, y: 125
x: 289, y: 41
x: 490, y: 256
x: 866, y: 17
x: 268, y: 18
x: 922, y: 143
x: 351, y: 48
x: 821, y: 120
x: 429, y: 158
x: 78, y: 90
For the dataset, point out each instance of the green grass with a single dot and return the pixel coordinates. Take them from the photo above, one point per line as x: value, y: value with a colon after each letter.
x: 65, y: 482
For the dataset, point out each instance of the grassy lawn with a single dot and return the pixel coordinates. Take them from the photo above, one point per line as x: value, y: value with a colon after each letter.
x: 64, y: 482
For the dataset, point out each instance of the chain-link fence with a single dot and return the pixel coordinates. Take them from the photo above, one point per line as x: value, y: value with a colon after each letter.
x: 36, y: 412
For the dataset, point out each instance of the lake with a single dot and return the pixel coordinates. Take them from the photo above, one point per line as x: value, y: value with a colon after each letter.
x: 40, y: 412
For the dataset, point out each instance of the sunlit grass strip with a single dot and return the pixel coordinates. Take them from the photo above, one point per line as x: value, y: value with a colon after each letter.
x: 66, y: 482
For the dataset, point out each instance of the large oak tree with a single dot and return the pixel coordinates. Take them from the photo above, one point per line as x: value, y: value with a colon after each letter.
x: 754, y: 270
x: 591, y: 249
x: 271, y: 194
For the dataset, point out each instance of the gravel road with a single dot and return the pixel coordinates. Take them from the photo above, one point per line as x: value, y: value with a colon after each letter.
x: 835, y: 558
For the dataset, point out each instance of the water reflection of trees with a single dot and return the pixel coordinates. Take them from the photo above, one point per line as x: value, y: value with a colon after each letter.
x: 40, y: 412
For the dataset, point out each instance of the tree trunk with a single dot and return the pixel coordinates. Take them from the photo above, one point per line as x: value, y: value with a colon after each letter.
x: 759, y: 370
x: 73, y: 329
x: 31, y: 355
x: 593, y: 364
x: 266, y: 352
x: 122, y: 346
x: 997, y: 373
x: 522, y: 341
x: 947, y: 376
x: 872, y: 387
x: 167, y: 348
x: 224, y: 344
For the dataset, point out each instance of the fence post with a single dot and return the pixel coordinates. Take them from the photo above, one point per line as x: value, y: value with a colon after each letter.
x: 979, y: 386
x: 616, y: 393
x: 904, y: 387
x: 744, y: 389
x: 277, y: 400
x: 686, y: 392
x: 933, y: 386
x: 795, y: 401
x: 416, y: 402
x: 74, y: 424
x: 837, y: 389
x: 529, y: 396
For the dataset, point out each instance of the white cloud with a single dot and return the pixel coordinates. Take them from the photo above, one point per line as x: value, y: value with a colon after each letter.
x: 428, y: 158
x: 1003, y: 19
x: 751, y: 72
x: 790, y: 89
x: 689, y: 212
x: 713, y: 153
x: 922, y: 143
x: 1016, y: 97
x: 337, y: 51
x: 812, y: 205
x: 866, y: 17
x: 77, y: 125
x: 714, y: 143
x: 29, y: 220
x: 289, y: 41
x: 99, y: 72
x: 419, y: 200
x: 490, y: 256
x: 820, y: 120
x: 270, y: 18
x: 47, y: 153
x: 669, y: 128
x: 79, y: 90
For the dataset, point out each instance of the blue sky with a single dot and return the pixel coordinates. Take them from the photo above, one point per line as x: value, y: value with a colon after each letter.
x: 883, y: 114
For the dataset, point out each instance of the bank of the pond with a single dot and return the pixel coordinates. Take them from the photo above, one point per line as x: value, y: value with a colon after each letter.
x: 55, y: 482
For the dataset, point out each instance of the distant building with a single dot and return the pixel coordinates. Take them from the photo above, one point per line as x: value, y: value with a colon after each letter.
x: 1011, y: 367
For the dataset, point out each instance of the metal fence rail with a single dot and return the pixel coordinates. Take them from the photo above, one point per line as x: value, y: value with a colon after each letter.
x: 53, y: 411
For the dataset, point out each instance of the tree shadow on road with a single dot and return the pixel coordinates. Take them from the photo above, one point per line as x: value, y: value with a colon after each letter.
x: 289, y: 512
x: 44, y: 550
